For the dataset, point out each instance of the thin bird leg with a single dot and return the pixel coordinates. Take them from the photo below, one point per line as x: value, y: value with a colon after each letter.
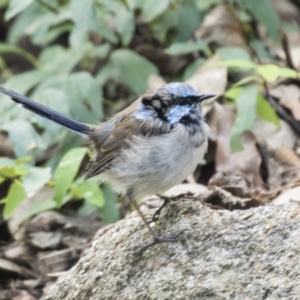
x: 137, y: 207
x: 156, y: 239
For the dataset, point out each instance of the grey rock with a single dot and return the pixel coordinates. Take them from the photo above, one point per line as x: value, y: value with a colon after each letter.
x: 246, y: 254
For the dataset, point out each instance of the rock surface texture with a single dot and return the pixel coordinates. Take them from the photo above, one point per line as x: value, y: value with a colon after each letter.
x: 249, y: 254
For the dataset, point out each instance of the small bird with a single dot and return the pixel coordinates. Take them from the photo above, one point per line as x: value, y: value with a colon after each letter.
x: 147, y: 148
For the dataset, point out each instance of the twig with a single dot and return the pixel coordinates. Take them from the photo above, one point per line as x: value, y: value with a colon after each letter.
x: 286, y: 49
x: 282, y: 113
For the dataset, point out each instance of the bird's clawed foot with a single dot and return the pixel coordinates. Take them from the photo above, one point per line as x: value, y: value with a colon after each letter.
x: 160, y: 239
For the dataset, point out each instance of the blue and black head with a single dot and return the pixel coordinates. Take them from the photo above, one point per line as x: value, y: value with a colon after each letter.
x: 173, y: 103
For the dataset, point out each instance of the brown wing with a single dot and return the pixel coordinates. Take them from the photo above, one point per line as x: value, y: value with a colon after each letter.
x: 107, y: 149
x: 110, y: 141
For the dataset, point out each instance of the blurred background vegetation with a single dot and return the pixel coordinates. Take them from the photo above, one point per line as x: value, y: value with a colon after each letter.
x: 89, y: 59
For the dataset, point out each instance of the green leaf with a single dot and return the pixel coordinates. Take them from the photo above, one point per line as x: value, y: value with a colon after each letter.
x: 87, y: 209
x: 12, y: 172
x: 102, y: 51
x: 125, y: 24
x: 105, y: 31
x: 84, y: 97
x: 91, y: 192
x: 260, y: 48
x: 247, y: 80
x: 23, y: 22
x: 2, y: 179
x: 288, y: 73
x: 134, y: 4
x: 24, y: 138
x: 5, y: 161
x: 109, y: 212
x: 56, y: 100
x: 60, y: 61
x: 16, y: 195
x: 85, y: 19
x: 36, y: 208
x: 233, y: 92
x: 192, y: 68
x: 266, y: 111
x: 66, y: 171
x: 246, y: 114
x: 23, y: 160
x: 229, y: 53
x: 54, y: 32
x: 21, y: 83
x: 206, y: 4
x: 124, y: 62
x: 3, y: 3
x: 265, y: 13
x: 269, y: 72
x: 188, y: 47
x: 189, y: 20
x: 164, y: 23
x: 153, y: 8
x: 35, y: 179
x: 236, y: 63
x: 83, y: 13
x: 40, y: 28
x: 15, y: 7
x: 13, y: 168
x: 69, y: 141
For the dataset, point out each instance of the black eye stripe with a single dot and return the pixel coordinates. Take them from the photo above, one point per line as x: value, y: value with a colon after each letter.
x: 161, y: 106
x: 153, y: 101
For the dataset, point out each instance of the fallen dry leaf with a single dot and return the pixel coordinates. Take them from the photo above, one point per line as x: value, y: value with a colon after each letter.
x: 24, y: 295
x: 286, y: 10
x: 155, y: 82
x: 274, y: 137
x: 194, y: 189
x: 209, y: 79
x: 288, y: 197
x: 235, y: 183
x: 248, y: 160
x: 220, y: 198
x: 8, y: 266
x: 221, y: 27
x: 57, y: 261
x: 155, y: 201
x: 287, y: 155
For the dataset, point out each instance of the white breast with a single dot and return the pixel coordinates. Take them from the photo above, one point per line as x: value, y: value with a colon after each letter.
x: 154, y: 164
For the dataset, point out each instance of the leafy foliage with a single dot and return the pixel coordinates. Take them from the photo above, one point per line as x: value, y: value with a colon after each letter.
x: 85, y: 54
x: 28, y: 180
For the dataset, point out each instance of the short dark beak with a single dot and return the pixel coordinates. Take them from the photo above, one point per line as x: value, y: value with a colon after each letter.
x: 204, y: 97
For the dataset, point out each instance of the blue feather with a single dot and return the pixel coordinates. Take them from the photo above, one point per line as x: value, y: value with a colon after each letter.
x: 144, y: 114
x: 180, y: 89
x: 177, y: 112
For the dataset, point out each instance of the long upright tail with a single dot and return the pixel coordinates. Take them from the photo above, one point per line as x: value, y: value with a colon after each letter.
x: 47, y: 113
